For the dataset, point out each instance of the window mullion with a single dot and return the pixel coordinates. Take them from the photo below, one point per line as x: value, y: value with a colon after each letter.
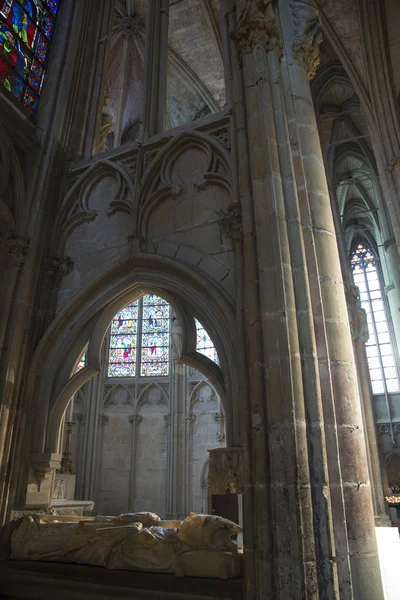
x: 139, y: 338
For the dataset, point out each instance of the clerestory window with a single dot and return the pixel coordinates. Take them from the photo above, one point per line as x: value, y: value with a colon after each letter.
x: 26, y: 28
x: 381, y: 360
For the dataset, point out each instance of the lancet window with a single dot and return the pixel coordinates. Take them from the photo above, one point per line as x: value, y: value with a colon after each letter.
x: 204, y: 343
x: 140, y: 339
x: 381, y: 360
x: 26, y: 28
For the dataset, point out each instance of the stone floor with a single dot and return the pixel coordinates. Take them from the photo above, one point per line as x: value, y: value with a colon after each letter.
x: 389, y: 557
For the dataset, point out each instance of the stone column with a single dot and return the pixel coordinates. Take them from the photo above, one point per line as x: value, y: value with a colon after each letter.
x: 155, y: 67
x: 334, y: 345
x: 308, y: 516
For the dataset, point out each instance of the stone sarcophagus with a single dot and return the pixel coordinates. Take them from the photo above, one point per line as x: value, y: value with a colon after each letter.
x: 198, y: 546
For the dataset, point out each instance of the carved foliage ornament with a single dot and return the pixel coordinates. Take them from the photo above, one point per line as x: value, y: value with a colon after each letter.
x: 257, y: 27
x: 388, y: 428
x: 308, y: 35
x: 14, y: 249
x: 225, y: 471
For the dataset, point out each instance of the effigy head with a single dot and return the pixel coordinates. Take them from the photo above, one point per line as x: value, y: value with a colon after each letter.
x: 209, y: 530
x: 148, y: 519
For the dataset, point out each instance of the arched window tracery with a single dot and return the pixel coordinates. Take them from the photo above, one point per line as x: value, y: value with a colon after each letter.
x: 26, y: 28
x: 139, y: 339
x: 381, y: 359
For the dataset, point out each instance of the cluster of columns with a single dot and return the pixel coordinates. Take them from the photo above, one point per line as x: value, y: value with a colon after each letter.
x: 308, y: 511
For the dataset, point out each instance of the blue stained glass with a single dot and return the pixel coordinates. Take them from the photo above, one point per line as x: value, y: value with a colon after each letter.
x: 154, y: 340
x: 205, y: 344
x: 82, y: 363
x: 123, y: 340
x: 155, y: 337
x: 25, y: 29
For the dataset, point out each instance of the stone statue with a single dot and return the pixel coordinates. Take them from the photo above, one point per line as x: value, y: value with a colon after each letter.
x: 199, y: 546
x: 177, y: 338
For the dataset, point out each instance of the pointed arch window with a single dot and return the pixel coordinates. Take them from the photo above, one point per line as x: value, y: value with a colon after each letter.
x: 381, y: 360
x: 205, y: 344
x: 26, y: 28
x: 140, y: 339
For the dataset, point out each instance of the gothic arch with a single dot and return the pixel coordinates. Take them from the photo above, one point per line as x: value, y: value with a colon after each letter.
x: 75, y: 208
x: 86, y: 319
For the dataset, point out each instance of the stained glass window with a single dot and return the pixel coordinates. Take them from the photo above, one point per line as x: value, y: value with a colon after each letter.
x: 123, y: 342
x: 155, y: 337
x: 381, y: 361
x: 82, y: 363
x: 26, y: 27
x: 140, y: 339
x: 204, y: 343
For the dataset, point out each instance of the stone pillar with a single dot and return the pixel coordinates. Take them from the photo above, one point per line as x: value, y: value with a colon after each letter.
x: 308, y: 515
x: 337, y: 371
x: 155, y: 67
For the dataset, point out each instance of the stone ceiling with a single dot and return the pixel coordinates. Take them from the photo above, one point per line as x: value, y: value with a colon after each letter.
x: 195, y: 69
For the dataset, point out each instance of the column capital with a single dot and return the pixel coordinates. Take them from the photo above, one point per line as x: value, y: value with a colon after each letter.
x: 308, y: 35
x: 257, y: 26
x: 14, y: 248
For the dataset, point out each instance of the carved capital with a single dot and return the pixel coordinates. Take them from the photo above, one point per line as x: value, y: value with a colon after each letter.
x: 190, y: 419
x: 259, y: 30
x: 394, y: 164
x: 135, y: 419
x: 307, y: 55
x: 230, y: 222
x: 103, y: 419
x: 308, y: 35
x: 225, y: 471
x: 14, y: 249
x: 167, y: 420
x: 219, y: 417
x: 56, y: 268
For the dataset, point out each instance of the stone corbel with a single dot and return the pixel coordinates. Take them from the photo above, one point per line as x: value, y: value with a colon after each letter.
x: 43, y: 466
x: 225, y: 471
x: 220, y: 419
x: 394, y: 164
x: 230, y: 222
x: 56, y: 268
x: 308, y: 35
x: 257, y: 26
x: 135, y: 419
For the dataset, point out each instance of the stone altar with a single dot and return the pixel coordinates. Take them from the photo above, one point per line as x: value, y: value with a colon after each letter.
x: 198, y: 546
